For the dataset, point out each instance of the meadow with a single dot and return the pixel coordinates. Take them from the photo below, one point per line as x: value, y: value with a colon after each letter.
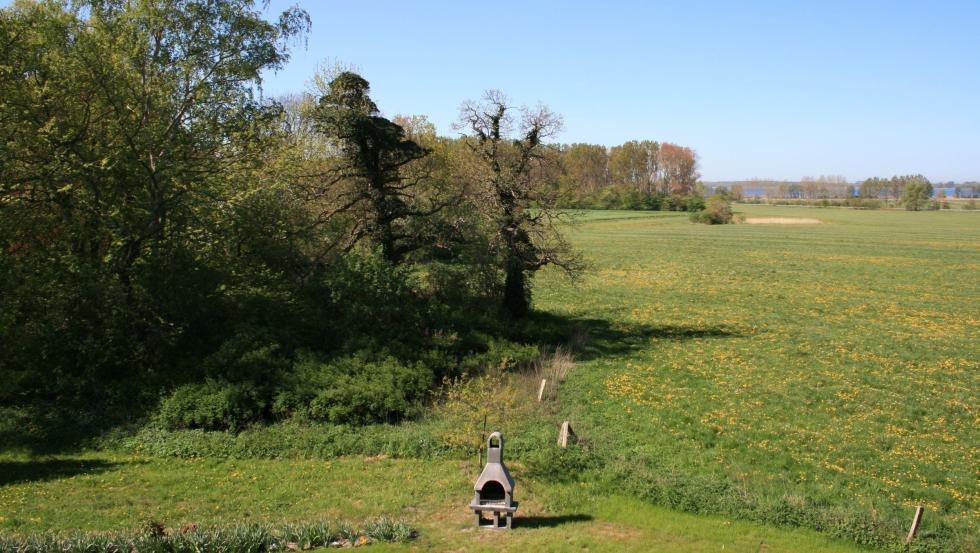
x: 762, y: 377
x: 827, y: 366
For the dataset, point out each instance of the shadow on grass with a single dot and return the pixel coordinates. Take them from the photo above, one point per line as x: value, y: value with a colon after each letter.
x: 66, y: 429
x: 19, y: 472
x: 549, y: 522
x: 595, y: 338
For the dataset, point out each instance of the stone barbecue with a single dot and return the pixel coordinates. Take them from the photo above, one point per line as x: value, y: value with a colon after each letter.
x: 494, y: 490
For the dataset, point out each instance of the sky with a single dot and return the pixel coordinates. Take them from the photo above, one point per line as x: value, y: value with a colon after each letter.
x: 759, y: 89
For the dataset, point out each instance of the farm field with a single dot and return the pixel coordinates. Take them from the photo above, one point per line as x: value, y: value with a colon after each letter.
x: 795, y: 375
x: 814, y: 366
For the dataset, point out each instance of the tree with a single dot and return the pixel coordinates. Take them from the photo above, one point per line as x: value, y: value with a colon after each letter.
x: 678, y: 165
x: 917, y: 192
x: 511, y: 170
x: 587, y: 165
x: 136, y: 112
x: 131, y: 131
x: 736, y: 193
x: 635, y: 164
x: 872, y: 187
x: 367, y: 180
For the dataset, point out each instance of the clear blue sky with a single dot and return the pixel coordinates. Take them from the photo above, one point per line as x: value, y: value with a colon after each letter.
x: 760, y: 89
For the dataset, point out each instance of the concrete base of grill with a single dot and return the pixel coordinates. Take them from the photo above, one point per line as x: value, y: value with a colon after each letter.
x: 496, y: 511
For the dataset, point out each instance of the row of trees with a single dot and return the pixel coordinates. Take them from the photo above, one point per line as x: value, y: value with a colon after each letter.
x: 836, y: 186
x: 645, y: 166
x: 892, y: 188
x: 161, y: 223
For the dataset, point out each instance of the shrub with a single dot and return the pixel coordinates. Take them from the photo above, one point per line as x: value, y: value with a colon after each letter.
x: 673, y: 202
x: 357, y: 389
x: 695, y: 203
x: 211, y: 405
x: 717, y: 212
x: 470, y: 406
x: 388, y: 530
x: 499, y: 354
x: 246, y: 537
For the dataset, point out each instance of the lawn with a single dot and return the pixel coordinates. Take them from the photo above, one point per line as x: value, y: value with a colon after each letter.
x: 797, y: 375
x: 99, y: 491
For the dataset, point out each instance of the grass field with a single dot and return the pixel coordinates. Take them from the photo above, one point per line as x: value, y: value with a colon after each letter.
x: 800, y: 375
x: 98, y: 491
x: 831, y: 365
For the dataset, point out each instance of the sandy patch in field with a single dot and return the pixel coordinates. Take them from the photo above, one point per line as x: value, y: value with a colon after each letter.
x: 782, y: 221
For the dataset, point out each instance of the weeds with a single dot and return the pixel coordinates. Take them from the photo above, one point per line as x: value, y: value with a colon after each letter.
x: 245, y: 538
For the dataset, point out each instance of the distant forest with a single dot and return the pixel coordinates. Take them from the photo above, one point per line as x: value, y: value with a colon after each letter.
x: 839, y: 187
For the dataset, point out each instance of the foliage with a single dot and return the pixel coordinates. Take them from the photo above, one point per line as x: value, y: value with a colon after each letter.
x: 475, y: 406
x: 253, y: 538
x: 118, y: 189
x: 717, y: 212
x: 368, y: 172
x: 916, y: 194
x: 211, y: 405
x: 385, y: 529
x: 359, y: 389
x: 510, y: 173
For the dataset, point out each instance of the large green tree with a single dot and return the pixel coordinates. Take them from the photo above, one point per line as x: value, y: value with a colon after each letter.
x: 368, y: 181
x: 130, y: 132
x: 513, y: 169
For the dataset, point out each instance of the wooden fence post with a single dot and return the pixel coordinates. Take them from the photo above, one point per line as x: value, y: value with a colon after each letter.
x: 564, y: 434
x: 544, y: 381
x: 916, y: 521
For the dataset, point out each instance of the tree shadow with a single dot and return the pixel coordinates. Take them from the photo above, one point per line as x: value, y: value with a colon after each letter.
x: 592, y: 338
x: 19, y: 472
x: 66, y: 430
x: 549, y: 521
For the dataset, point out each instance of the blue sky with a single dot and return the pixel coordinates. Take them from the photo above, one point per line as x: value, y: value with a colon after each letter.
x: 759, y: 89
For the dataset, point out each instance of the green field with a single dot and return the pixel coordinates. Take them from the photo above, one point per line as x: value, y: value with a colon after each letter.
x: 99, y: 491
x: 830, y: 365
x: 794, y: 375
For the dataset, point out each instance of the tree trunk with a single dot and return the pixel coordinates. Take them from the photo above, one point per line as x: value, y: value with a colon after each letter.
x: 515, y: 291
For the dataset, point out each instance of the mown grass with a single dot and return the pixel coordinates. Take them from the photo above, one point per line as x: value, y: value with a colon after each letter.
x: 813, y: 367
x: 99, y: 492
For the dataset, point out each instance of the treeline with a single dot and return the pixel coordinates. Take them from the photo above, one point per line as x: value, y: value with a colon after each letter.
x: 634, y: 175
x: 913, y: 192
x: 836, y: 187
x: 173, y: 243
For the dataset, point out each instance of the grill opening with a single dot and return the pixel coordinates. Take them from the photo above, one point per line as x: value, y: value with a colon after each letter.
x: 492, y: 492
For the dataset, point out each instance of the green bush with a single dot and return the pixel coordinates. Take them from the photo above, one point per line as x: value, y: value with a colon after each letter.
x: 695, y: 203
x: 385, y: 529
x: 211, y: 405
x: 497, y: 353
x: 358, y: 389
x: 718, y: 212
